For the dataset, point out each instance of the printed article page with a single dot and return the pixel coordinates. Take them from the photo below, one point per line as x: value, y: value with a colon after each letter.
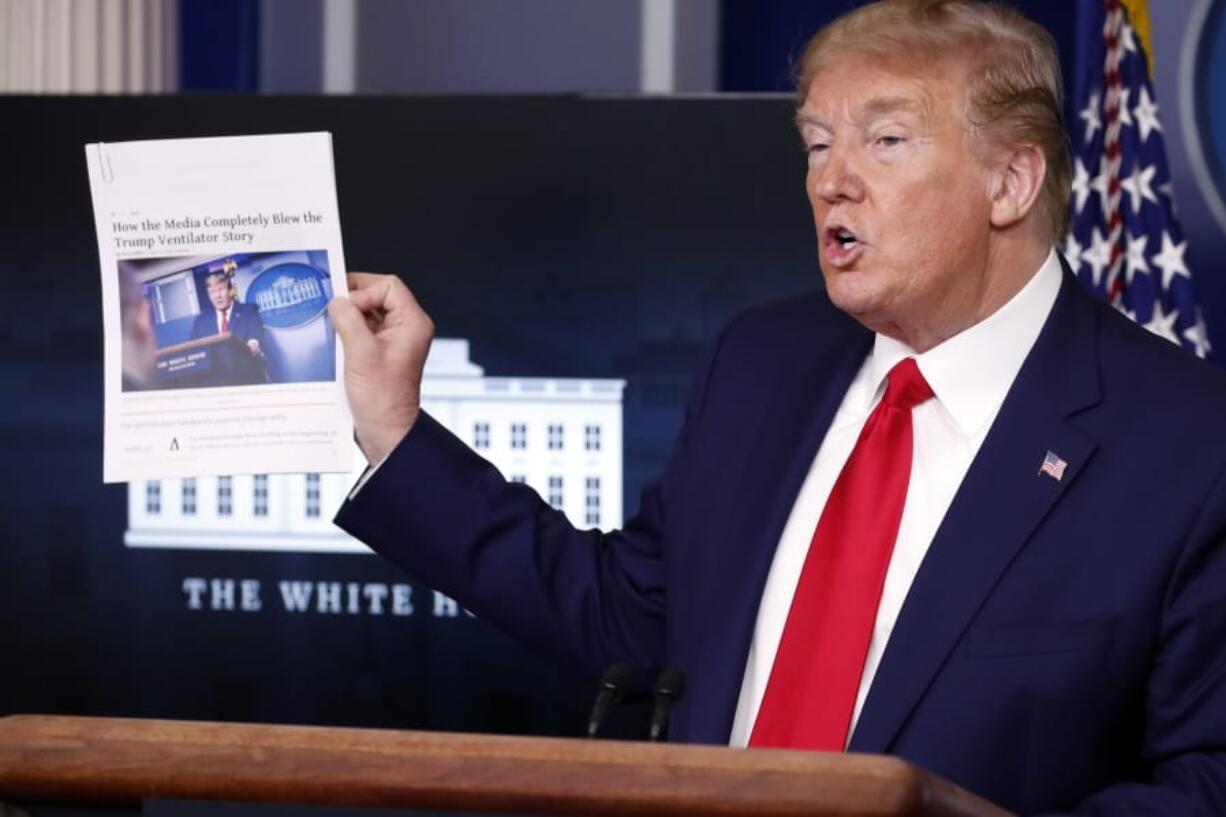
x: 218, y: 259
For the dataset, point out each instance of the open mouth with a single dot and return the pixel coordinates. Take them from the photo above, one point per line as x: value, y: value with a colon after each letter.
x: 842, y: 246
x: 845, y: 238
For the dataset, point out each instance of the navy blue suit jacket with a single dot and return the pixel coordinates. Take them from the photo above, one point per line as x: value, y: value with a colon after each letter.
x: 234, y: 363
x: 245, y: 323
x: 1063, y: 645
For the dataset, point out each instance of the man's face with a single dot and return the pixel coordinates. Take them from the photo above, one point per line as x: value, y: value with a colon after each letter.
x: 900, y: 200
x: 219, y: 294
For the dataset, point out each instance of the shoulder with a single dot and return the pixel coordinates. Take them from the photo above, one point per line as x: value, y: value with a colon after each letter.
x: 791, y: 328
x: 1160, y: 409
x: 1154, y: 374
x: 788, y: 343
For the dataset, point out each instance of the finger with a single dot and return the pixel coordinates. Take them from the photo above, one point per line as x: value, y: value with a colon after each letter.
x: 385, y: 293
x: 363, y: 280
x: 350, y: 323
x: 372, y: 299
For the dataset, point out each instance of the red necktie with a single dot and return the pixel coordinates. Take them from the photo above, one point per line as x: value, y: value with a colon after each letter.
x: 813, y: 683
x: 225, y: 323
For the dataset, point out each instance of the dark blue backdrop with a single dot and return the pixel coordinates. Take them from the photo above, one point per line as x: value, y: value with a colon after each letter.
x: 563, y: 237
x: 569, y: 237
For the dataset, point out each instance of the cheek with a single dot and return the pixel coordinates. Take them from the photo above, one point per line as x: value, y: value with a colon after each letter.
x: 911, y: 222
x: 816, y: 203
x: 937, y: 213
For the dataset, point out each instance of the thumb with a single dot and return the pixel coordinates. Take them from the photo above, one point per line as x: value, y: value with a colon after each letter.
x: 349, y: 322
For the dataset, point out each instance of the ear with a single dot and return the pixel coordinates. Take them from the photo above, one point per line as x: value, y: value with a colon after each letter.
x: 1017, y: 183
x: 143, y: 321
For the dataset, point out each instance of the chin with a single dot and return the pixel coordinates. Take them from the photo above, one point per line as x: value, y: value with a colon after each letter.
x: 866, y: 304
x: 853, y: 291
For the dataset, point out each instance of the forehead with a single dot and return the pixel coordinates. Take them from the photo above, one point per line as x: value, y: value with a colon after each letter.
x: 860, y: 86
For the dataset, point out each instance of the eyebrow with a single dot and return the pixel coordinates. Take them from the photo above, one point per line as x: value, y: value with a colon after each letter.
x: 877, y: 106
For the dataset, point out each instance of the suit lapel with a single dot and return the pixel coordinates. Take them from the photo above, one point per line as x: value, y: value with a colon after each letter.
x: 1003, y: 498
x: 785, y: 441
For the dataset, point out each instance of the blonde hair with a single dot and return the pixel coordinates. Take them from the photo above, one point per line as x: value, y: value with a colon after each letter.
x: 1015, y: 94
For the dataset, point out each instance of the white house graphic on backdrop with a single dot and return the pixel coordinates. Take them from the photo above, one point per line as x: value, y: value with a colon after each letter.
x: 286, y: 291
x: 562, y: 437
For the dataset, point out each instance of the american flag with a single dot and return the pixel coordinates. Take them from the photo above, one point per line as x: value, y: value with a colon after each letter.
x: 1053, y: 466
x: 1124, y: 241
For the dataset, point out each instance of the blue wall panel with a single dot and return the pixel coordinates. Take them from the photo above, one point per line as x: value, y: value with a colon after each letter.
x: 219, y: 45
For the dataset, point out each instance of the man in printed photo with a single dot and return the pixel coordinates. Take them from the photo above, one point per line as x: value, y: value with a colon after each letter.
x: 240, y: 362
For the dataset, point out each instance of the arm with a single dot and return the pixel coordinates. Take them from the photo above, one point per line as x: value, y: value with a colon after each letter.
x: 250, y: 330
x: 200, y: 326
x: 445, y: 515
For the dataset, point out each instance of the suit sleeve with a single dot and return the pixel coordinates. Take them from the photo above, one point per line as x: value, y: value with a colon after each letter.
x: 448, y: 518
x: 200, y: 327
x: 1184, y: 752
x: 251, y: 326
x: 257, y: 324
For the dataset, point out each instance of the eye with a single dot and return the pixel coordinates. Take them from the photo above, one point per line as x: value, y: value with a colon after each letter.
x: 890, y: 141
x: 816, y: 153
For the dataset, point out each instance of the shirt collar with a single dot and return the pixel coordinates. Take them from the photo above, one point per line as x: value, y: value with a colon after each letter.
x: 971, y: 373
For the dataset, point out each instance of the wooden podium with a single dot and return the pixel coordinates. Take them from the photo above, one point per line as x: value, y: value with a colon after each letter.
x: 109, y: 762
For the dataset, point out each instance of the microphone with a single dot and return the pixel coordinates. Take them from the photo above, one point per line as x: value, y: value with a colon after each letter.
x: 613, y: 685
x: 670, y: 686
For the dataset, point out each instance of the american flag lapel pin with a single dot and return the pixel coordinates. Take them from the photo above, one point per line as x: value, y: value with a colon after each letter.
x: 1053, y: 466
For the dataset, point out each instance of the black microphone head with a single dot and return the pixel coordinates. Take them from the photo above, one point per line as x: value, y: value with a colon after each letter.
x: 613, y: 685
x: 671, y: 684
x: 617, y: 678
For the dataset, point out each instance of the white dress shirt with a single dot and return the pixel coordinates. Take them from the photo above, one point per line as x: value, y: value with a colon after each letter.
x: 970, y: 374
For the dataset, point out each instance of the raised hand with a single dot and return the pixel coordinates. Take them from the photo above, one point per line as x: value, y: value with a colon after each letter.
x: 386, y: 336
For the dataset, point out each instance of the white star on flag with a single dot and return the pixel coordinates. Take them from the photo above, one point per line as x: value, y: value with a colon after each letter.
x: 1128, y: 38
x: 1162, y: 323
x: 1101, y: 182
x: 1136, y: 256
x: 1098, y: 256
x: 1072, y: 252
x: 1139, y: 186
x: 1147, y: 115
x: 1081, y: 185
x: 1090, y: 115
x: 1125, y: 113
x: 1198, y: 335
x: 1170, y: 259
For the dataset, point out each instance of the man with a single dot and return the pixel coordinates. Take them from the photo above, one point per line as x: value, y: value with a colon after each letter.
x: 242, y: 362
x: 138, y: 353
x: 901, y: 516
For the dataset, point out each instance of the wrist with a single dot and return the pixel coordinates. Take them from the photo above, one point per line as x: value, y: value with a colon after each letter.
x: 377, y: 443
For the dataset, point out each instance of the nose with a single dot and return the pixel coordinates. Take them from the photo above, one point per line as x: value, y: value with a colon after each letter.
x: 837, y: 180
